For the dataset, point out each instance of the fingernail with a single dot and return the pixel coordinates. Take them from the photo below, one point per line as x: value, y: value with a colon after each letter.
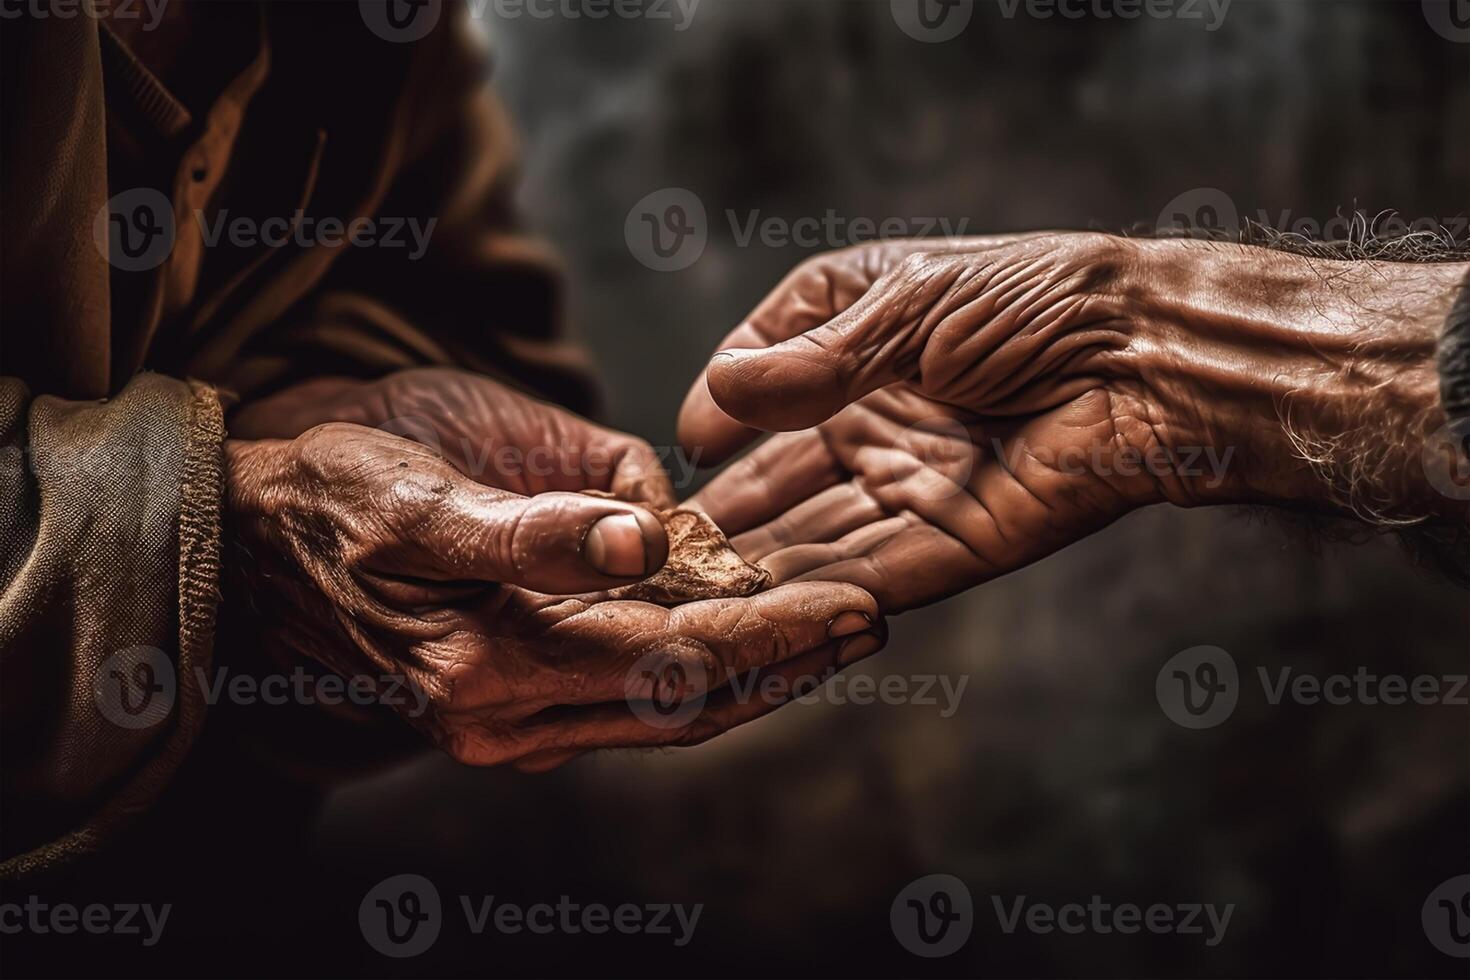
x: 614, y: 546
x: 855, y: 649
x: 848, y: 623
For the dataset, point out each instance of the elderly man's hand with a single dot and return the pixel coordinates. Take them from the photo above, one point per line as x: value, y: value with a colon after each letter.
x: 493, y: 434
x: 955, y: 410
x: 373, y: 555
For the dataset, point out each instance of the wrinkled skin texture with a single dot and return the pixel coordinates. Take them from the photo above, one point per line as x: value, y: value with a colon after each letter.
x: 493, y: 434
x: 953, y: 410
x: 376, y: 556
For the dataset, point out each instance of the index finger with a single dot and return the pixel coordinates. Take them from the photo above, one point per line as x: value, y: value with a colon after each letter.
x: 778, y: 474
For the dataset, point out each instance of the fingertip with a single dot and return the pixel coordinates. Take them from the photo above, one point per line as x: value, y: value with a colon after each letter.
x: 778, y: 389
x: 655, y: 540
x: 827, y: 600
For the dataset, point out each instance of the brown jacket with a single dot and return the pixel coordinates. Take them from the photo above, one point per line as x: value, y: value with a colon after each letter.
x: 110, y: 402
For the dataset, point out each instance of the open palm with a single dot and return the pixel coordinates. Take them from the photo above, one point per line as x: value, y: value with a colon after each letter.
x: 945, y: 412
x: 914, y: 499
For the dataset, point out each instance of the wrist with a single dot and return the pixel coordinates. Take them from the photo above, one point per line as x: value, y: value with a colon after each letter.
x: 1318, y: 374
x: 252, y: 468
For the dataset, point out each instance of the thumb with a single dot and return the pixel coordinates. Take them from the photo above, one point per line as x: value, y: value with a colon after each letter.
x: 803, y: 381
x: 557, y: 543
x: 813, y: 375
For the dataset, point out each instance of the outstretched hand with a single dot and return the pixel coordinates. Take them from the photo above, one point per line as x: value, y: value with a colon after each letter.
x: 953, y: 410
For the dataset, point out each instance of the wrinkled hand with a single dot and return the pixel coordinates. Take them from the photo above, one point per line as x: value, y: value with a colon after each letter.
x: 954, y: 410
x: 493, y: 434
x: 376, y: 557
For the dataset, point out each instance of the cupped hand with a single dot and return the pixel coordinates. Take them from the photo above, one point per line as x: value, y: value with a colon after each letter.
x: 375, y: 556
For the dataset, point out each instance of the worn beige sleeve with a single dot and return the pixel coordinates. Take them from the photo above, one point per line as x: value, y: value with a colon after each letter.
x: 109, y: 570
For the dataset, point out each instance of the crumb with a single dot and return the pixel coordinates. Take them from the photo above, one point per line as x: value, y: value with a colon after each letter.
x: 701, y: 565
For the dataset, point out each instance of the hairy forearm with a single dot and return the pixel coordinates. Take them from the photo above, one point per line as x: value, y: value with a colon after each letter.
x: 1322, y: 372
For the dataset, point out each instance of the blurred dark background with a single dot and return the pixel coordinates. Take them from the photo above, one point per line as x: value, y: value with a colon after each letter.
x: 1059, y: 777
